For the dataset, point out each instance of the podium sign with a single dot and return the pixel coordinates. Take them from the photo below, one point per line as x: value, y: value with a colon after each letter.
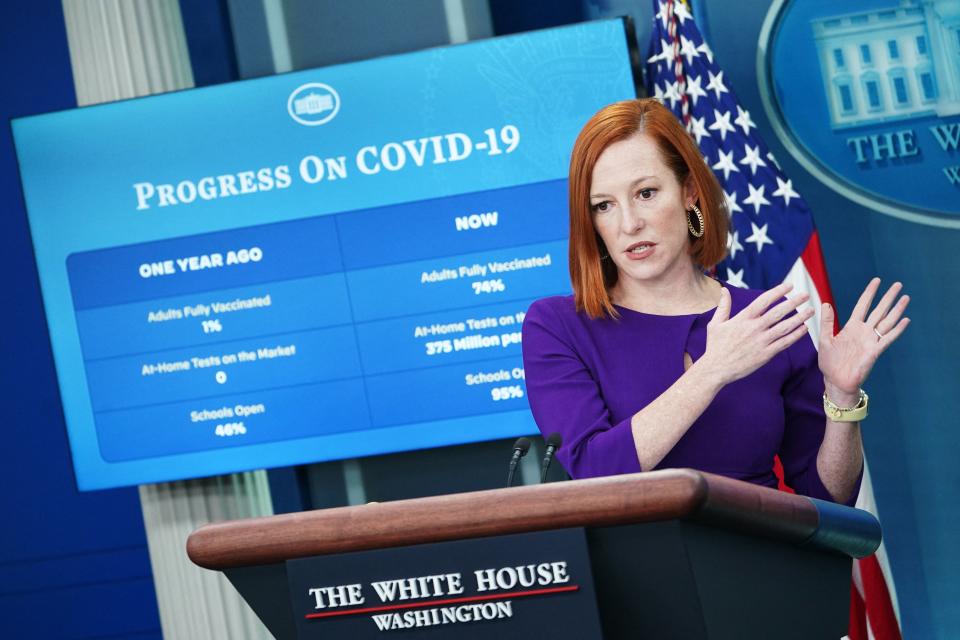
x: 513, y: 586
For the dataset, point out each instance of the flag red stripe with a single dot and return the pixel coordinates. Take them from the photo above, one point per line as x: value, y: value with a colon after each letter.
x: 778, y: 471
x: 883, y: 621
x: 812, y: 257
x: 858, y: 615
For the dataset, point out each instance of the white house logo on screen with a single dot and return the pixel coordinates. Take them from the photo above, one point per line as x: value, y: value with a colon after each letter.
x: 313, y: 103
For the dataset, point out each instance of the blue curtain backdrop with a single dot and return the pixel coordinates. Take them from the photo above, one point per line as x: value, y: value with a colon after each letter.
x: 72, y: 565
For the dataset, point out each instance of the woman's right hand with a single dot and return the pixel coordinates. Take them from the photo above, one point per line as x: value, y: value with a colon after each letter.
x: 738, y: 346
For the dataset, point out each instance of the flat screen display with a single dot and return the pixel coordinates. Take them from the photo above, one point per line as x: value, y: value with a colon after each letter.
x: 318, y: 265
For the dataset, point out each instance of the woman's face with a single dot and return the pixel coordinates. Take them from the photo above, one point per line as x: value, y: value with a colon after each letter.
x: 639, y: 211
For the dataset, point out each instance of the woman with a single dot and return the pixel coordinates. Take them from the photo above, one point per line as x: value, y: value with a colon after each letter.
x: 653, y: 364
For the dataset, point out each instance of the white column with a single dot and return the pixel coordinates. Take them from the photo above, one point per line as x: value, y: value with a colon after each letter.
x: 194, y: 602
x: 277, y: 33
x: 467, y: 20
x: 126, y: 48
x: 123, y: 49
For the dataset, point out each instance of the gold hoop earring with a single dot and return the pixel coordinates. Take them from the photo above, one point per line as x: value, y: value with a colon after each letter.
x: 695, y: 233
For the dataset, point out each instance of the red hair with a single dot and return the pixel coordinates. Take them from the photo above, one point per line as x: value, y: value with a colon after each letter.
x: 592, y: 277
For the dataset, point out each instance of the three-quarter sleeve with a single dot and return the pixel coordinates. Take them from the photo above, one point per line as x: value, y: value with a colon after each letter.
x: 805, y: 424
x: 565, y: 398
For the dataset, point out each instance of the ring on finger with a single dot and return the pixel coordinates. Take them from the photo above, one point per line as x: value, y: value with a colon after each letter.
x: 879, y: 335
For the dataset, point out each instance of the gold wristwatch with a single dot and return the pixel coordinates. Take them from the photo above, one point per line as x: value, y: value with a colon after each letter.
x: 855, y: 413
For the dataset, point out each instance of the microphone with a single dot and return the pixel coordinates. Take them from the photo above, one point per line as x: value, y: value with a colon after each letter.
x: 553, y: 443
x: 520, y: 448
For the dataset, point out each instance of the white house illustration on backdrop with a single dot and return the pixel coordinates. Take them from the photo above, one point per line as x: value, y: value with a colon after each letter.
x: 890, y: 64
x: 312, y: 104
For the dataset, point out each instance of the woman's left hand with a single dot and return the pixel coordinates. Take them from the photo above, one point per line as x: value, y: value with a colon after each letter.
x: 847, y: 358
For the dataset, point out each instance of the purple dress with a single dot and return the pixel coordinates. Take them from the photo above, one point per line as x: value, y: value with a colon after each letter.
x: 586, y: 378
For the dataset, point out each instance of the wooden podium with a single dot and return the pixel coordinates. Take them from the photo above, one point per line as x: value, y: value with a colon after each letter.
x: 673, y: 554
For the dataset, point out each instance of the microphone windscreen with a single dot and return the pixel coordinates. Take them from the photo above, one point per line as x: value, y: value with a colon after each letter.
x: 554, y: 440
x: 523, y: 445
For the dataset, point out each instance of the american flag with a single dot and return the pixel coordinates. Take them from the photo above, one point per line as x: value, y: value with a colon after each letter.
x: 772, y: 237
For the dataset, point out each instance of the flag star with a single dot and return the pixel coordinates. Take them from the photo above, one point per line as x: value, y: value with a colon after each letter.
x: 666, y: 52
x: 736, y: 278
x: 785, y: 191
x: 733, y: 245
x: 672, y: 93
x: 698, y: 129
x: 752, y: 157
x: 725, y: 164
x: 732, y: 206
x: 743, y: 119
x: 680, y: 10
x: 722, y: 123
x: 688, y: 50
x: 694, y: 90
x: 759, y: 237
x: 662, y: 14
x: 773, y: 160
x: 661, y: 52
x: 705, y: 50
x: 716, y: 84
x: 658, y: 93
x: 755, y: 198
